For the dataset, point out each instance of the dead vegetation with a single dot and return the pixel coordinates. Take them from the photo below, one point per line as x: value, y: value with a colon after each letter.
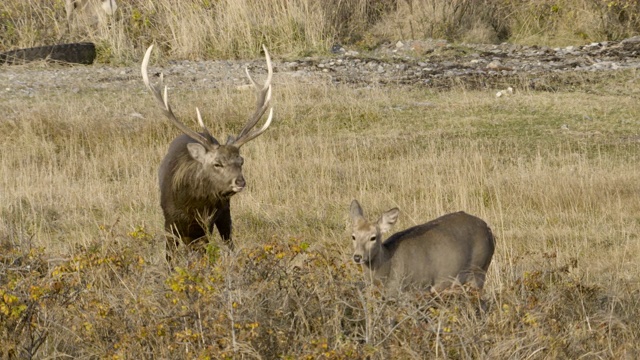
x: 552, y: 168
x: 82, y: 269
x: 197, y: 29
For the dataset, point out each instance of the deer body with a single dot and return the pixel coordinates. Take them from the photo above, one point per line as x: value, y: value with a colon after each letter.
x: 199, y: 175
x: 456, y: 247
x: 191, y: 196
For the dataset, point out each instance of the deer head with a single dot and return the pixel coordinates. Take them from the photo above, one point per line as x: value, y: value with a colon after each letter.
x: 221, y: 164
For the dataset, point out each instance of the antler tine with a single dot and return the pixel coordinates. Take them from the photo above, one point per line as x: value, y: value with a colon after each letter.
x: 254, y: 134
x: 202, y: 125
x: 263, y: 100
x: 166, y: 108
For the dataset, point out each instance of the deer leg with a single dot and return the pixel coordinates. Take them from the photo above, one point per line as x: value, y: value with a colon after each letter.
x: 223, y: 223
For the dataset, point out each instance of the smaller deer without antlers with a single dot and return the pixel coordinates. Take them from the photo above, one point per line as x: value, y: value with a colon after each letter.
x: 199, y: 175
x: 456, y: 247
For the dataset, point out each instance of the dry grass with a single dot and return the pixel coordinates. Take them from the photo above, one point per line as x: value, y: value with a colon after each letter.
x: 189, y: 29
x: 533, y: 22
x: 203, y: 29
x: 562, y: 23
x: 82, y: 270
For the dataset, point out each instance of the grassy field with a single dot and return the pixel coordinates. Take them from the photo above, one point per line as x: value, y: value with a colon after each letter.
x: 555, y: 174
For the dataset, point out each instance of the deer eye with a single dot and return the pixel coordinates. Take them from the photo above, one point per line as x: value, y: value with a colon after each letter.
x: 353, y: 237
x: 373, y: 238
x: 217, y: 165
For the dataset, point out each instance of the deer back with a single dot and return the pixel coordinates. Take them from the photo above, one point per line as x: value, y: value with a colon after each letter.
x: 455, y: 246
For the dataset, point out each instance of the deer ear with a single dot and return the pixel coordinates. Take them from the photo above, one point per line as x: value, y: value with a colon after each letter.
x: 356, y: 211
x: 197, y: 152
x: 388, y: 219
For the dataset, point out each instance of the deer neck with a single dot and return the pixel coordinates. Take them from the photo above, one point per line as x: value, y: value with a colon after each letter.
x: 380, y: 265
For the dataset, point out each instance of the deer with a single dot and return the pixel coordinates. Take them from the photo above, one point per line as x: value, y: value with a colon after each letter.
x: 199, y: 175
x: 453, y: 249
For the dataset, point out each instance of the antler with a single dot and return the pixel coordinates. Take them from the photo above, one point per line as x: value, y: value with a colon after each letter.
x: 263, y: 100
x: 166, y: 108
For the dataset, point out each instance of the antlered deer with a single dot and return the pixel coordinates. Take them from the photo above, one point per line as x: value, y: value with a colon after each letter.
x: 456, y: 247
x: 199, y: 175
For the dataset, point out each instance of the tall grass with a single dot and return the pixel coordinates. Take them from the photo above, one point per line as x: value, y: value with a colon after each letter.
x: 533, y: 22
x: 196, y: 29
x: 82, y: 269
x: 185, y: 29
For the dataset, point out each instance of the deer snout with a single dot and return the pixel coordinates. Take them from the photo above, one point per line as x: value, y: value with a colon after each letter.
x: 357, y: 258
x: 239, y: 184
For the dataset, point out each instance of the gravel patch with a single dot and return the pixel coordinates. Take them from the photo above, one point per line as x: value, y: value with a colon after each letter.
x: 427, y: 63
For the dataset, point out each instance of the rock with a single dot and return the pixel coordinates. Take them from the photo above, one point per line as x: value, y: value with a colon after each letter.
x: 337, y: 49
x: 495, y: 64
x: 630, y: 44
